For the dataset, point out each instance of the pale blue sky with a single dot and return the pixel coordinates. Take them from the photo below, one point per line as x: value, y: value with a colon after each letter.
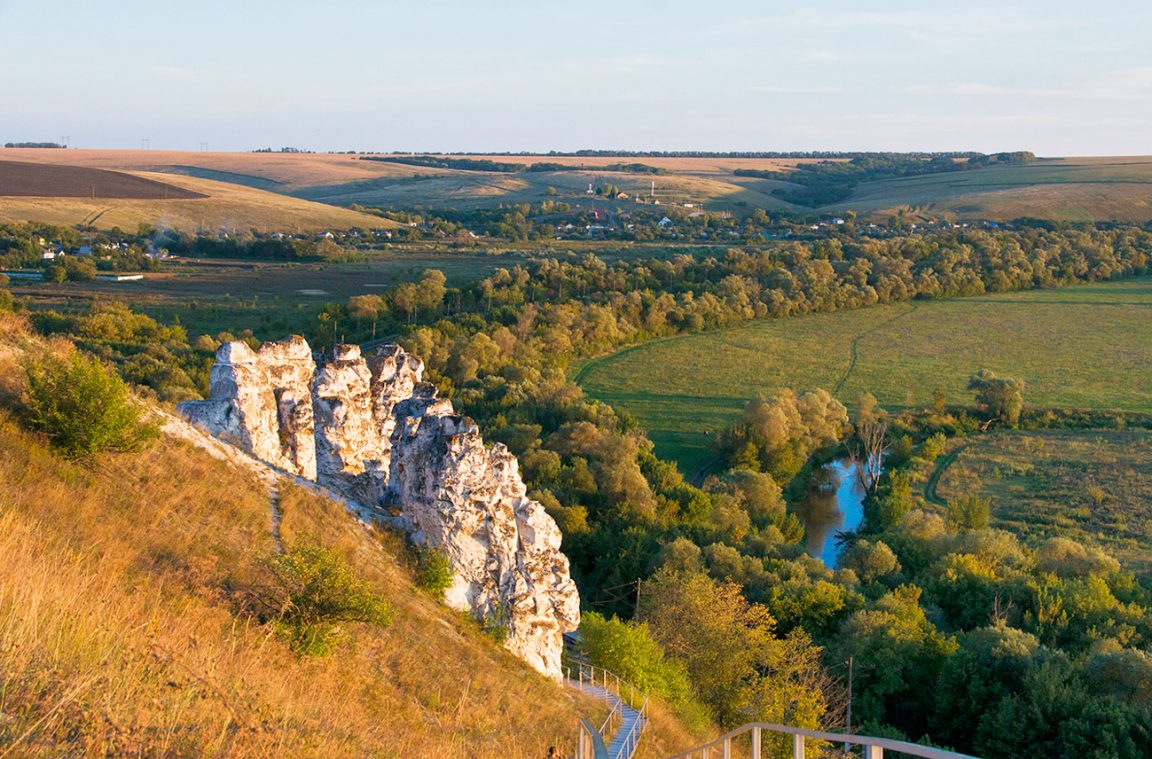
x: 1059, y: 78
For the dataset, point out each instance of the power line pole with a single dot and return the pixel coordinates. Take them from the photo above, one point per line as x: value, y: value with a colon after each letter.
x: 848, y: 718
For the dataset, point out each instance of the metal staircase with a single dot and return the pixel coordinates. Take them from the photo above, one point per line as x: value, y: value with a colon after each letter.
x: 620, y: 732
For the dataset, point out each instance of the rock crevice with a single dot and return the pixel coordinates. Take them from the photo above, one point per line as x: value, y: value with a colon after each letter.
x: 373, y: 430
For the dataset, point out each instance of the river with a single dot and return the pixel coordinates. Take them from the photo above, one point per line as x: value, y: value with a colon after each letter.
x: 835, y: 503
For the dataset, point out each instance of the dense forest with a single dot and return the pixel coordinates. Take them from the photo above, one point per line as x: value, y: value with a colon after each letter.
x: 961, y: 635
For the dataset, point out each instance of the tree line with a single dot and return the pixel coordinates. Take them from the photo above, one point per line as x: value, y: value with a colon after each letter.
x: 828, y: 182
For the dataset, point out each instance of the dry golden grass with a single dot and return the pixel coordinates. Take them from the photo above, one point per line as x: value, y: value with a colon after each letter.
x: 1066, y: 188
x: 120, y: 629
x: 117, y: 634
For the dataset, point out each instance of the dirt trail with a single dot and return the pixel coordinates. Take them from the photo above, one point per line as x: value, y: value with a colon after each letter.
x: 174, y: 426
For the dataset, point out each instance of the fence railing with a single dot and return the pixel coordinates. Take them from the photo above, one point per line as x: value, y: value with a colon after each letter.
x: 873, y: 748
x: 626, y: 694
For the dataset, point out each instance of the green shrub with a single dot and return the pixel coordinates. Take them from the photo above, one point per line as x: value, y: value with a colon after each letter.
x: 628, y: 650
x: 933, y: 447
x: 82, y: 407
x: 970, y: 513
x: 313, y: 593
x: 497, y: 623
x: 434, y: 572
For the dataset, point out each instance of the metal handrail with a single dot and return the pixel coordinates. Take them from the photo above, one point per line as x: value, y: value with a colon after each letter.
x: 604, y: 677
x: 873, y: 747
x: 632, y: 739
x: 593, y: 675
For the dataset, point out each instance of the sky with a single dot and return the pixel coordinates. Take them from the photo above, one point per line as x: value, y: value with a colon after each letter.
x: 1055, y: 77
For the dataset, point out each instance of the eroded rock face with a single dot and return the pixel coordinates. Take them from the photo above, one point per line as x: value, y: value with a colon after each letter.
x: 348, y: 450
x: 373, y: 430
x: 261, y: 401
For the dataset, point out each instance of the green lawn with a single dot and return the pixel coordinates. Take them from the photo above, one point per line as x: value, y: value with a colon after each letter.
x: 1082, y: 347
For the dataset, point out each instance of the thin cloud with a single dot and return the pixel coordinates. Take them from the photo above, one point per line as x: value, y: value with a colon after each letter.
x: 180, y: 73
x: 785, y: 89
x: 1127, y: 85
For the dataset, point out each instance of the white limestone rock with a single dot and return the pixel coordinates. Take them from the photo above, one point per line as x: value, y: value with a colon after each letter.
x: 372, y: 429
x: 470, y: 502
x: 261, y: 402
x: 349, y: 454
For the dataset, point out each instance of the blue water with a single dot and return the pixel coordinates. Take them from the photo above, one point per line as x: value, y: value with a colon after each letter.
x: 834, y: 504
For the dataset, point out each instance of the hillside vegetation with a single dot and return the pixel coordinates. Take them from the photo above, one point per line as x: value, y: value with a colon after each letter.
x: 123, y: 628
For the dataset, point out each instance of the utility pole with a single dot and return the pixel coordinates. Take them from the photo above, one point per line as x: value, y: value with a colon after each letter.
x: 848, y: 718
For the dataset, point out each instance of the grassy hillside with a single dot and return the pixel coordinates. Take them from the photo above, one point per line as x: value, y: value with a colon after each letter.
x: 227, y: 206
x: 1071, y: 189
x: 123, y: 631
x: 1082, y: 347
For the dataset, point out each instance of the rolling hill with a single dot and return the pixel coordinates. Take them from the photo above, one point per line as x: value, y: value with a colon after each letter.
x: 25, y: 179
x: 203, y: 204
x: 1067, y: 189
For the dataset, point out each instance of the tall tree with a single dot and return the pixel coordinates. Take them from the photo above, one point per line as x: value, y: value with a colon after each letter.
x: 1001, y: 398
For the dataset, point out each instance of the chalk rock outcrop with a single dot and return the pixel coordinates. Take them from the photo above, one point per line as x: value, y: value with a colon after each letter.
x: 261, y: 402
x: 373, y: 430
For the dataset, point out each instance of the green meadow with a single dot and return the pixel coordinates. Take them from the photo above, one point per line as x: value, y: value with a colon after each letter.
x: 1080, y: 347
x: 1084, y: 484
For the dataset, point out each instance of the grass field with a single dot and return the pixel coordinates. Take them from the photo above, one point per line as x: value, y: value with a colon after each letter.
x: 227, y: 206
x: 1082, y: 347
x: 211, y: 295
x: 1082, y: 484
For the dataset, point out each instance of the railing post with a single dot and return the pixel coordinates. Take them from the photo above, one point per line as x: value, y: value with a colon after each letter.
x: 797, y: 747
x: 873, y: 752
x: 726, y: 750
x: 756, y: 754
